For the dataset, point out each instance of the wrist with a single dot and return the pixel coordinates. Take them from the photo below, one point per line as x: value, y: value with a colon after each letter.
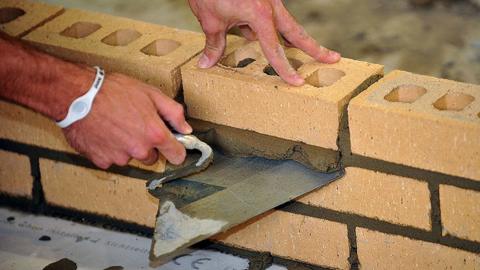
x: 71, y: 83
x: 81, y: 106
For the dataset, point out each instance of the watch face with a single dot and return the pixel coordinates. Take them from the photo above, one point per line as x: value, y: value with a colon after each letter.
x: 79, y: 107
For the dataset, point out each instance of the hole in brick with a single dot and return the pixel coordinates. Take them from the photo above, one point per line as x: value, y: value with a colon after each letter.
x: 80, y: 29
x: 453, y: 102
x: 269, y: 70
x: 407, y: 93
x: 161, y: 47
x: 240, y: 58
x: 8, y: 14
x: 324, y: 77
x: 121, y: 37
x: 295, y: 63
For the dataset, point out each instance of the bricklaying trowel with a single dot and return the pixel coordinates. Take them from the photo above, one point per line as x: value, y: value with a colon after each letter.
x: 234, y: 189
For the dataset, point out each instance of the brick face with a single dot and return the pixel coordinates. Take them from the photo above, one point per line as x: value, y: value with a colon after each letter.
x: 419, y: 121
x: 383, y: 251
x: 15, y: 175
x: 377, y: 195
x: 35, y: 13
x: 98, y: 192
x: 302, y: 238
x: 460, y: 211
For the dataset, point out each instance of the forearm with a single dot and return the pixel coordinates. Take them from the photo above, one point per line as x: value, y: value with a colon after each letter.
x: 39, y: 81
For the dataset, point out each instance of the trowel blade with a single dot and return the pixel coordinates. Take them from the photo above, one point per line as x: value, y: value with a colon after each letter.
x: 230, y: 192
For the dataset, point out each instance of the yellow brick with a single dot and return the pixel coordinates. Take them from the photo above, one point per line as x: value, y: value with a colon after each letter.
x: 460, y: 211
x: 383, y: 251
x: 377, y: 195
x: 303, y: 238
x: 15, y: 174
x: 17, y: 17
x: 148, y: 52
x: 247, y: 98
x: 25, y: 126
x: 419, y: 121
x: 98, y: 192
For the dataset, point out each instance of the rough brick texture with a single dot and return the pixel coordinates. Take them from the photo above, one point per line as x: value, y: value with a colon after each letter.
x: 460, y: 211
x: 17, y: 17
x: 377, y: 195
x: 302, y: 238
x: 419, y: 121
x: 148, y: 52
x: 247, y: 98
x: 25, y: 126
x: 15, y: 176
x: 383, y: 251
x: 98, y: 192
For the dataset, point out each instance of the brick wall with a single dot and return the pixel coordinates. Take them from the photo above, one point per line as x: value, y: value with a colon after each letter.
x: 410, y: 145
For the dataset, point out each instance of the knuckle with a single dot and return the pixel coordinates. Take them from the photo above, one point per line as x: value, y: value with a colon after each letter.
x: 102, y: 164
x: 264, y: 11
x: 211, y: 29
x: 178, y: 111
x: 121, y: 160
x: 141, y: 154
x: 157, y: 135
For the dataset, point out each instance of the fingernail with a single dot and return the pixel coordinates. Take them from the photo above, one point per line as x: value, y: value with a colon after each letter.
x: 334, y: 56
x: 298, y: 80
x: 177, y: 160
x: 187, y: 128
x: 204, y: 61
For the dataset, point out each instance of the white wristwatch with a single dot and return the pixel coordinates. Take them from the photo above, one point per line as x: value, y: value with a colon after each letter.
x: 81, y: 106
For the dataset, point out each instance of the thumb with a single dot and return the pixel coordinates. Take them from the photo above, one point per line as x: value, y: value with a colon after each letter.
x: 214, y: 47
x: 171, y: 111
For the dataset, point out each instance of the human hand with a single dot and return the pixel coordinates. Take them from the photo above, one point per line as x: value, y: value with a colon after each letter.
x: 256, y: 18
x: 126, y: 121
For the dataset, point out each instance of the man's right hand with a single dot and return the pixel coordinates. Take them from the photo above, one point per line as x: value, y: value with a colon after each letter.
x: 127, y: 116
x: 127, y: 121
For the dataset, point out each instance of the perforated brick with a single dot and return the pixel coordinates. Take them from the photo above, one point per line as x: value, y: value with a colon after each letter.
x: 239, y: 93
x: 151, y: 53
x: 17, y: 17
x: 419, y: 121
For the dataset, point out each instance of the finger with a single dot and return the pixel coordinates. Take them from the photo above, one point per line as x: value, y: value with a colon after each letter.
x: 296, y: 35
x: 160, y: 137
x: 247, y: 32
x: 270, y: 44
x: 287, y: 43
x: 171, y: 111
x: 151, y: 157
x: 121, y: 159
x: 99, y: 160
x: 214, y: 47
